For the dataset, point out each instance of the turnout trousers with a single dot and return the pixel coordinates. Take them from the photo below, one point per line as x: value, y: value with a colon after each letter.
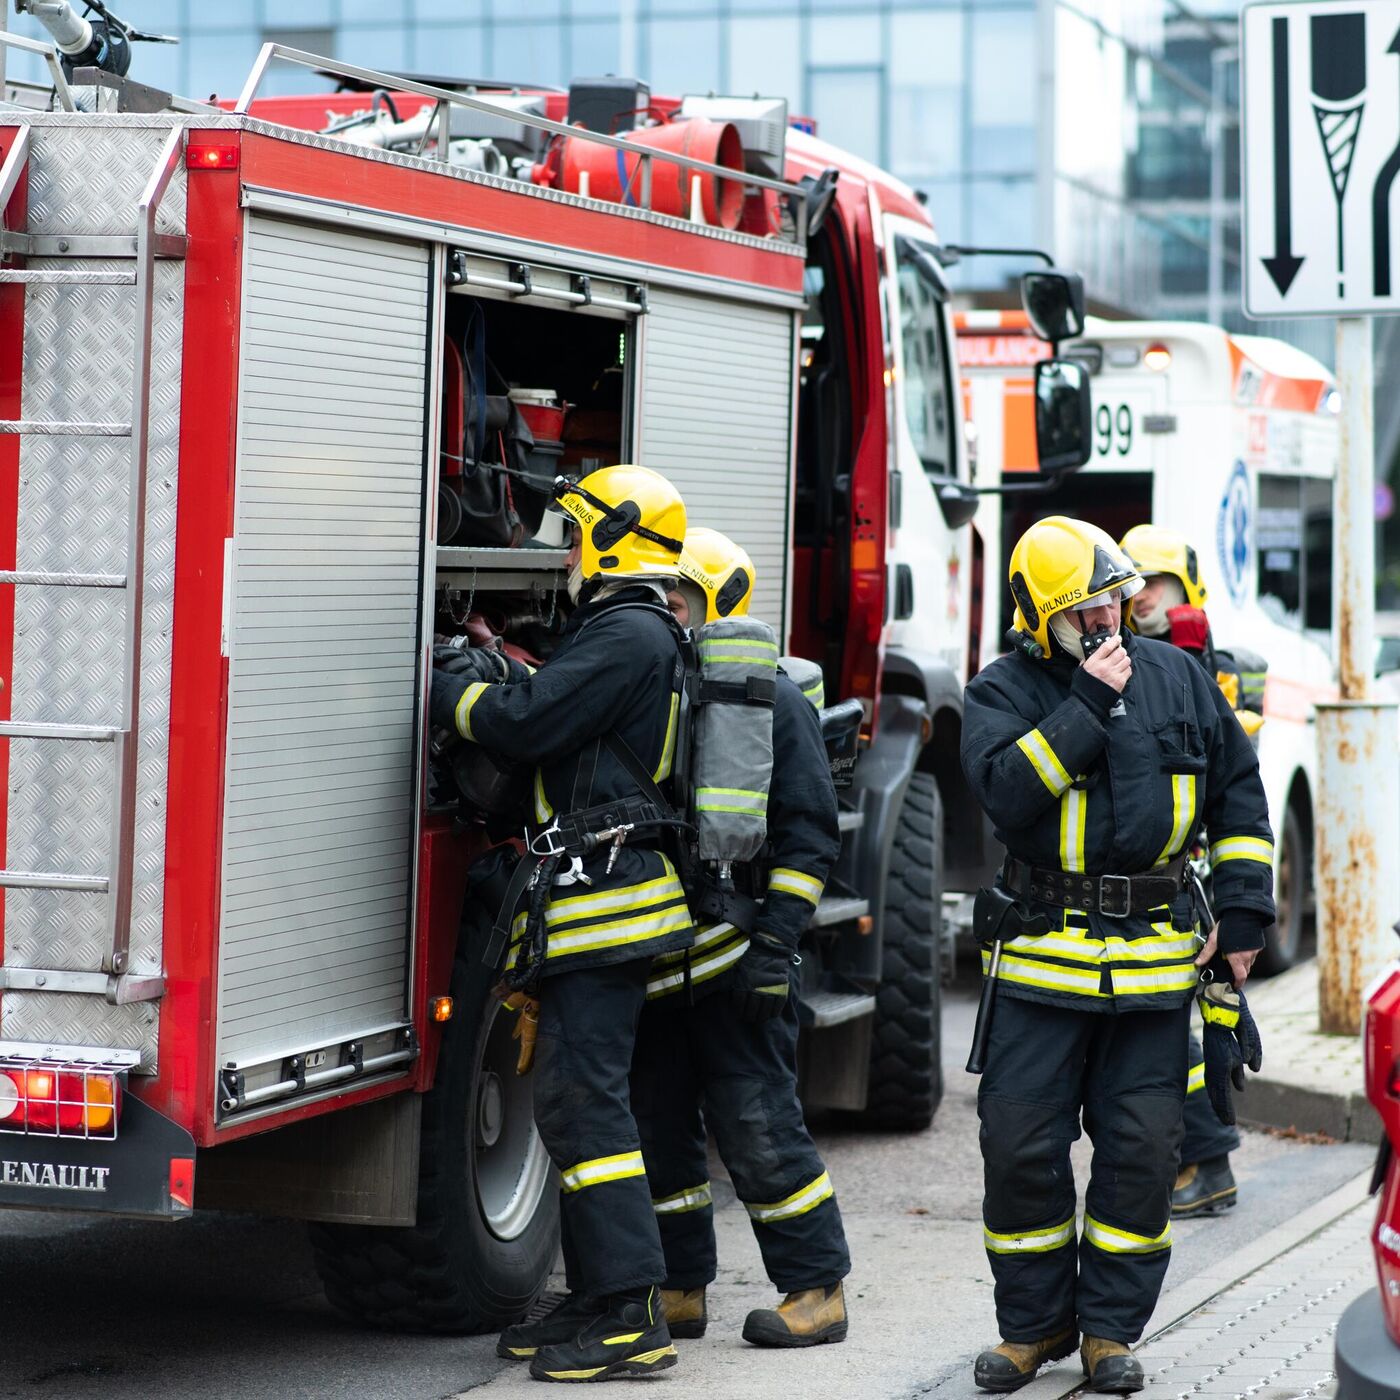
x: 699, y: 1065
x: 1124, y: 1075
x: 588, y: 1022
x: 1205, y: 1136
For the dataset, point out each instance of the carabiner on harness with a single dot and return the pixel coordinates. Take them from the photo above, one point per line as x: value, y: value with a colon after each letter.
x: 549, y: 842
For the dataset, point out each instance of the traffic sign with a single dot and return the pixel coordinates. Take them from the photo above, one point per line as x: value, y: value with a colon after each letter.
x: 1321, y: 141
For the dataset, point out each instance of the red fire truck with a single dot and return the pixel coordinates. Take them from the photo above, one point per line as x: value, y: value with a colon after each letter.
x: 253, y: 358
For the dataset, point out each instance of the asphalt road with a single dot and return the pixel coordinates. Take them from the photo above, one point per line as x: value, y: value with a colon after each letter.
x: 225, y: 1305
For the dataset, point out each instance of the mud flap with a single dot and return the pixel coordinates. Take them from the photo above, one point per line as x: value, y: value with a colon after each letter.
x: 147, y: 1170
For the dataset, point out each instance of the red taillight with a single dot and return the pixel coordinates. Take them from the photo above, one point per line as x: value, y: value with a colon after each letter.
x: 76, y: 1102
x: 211, y: 157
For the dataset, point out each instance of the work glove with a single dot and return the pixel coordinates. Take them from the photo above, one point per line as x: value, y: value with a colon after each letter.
x: 527, y: 1028
x: 472, y: 663
x: 758, y: 989
x: 1230, y: 1042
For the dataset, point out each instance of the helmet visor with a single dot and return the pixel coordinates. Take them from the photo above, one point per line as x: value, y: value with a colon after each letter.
x: 1109, y: 596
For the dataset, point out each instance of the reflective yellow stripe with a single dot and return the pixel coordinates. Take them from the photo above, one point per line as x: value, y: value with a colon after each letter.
x: 668, y: 748
x: 601, y: 1169
x: 1166, y: 946
x: 562, y: 911
x: 679, y: 1202
x: 613, y: 935
x: 1027, y: 973
x: 623, y: 1339
x: 785, y: 880
x: 1042, y: 757
x: 1183, y: 814
x: 1242, y: 848
x: 714, y: 950
x: 1142, y: 981
x: 470, y: 696
x: 749, y: 804
x: 1195, y: 1079
x: 543, y: 810
x: 1114, y: 1241
x: 816, y: 692
x: 1030, y: 1241
x: 1074, y: 807
x: 800, y: 1202
x: 714, y: 644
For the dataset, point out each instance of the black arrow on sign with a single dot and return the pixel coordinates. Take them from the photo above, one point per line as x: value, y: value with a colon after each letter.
x: 1380, y: 208
x: 1283, y: 266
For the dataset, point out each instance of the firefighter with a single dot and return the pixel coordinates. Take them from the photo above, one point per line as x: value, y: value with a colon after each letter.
x: 1171, y: 607
x: 1097, y: 754
x: 717, y: 1047
x: 603, y: 903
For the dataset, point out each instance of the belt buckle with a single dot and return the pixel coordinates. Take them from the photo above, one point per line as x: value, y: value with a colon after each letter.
x: 1115, y: 896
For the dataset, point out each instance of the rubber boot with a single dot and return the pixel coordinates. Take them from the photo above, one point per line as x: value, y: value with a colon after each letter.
x: 629, y: 1339
x: 1205, y: 1188
x: 561, y: 1323
x: 1112, y: 1369
x: 686, y: 1314
x: 804, y: 1319
x: 1011, y: 1365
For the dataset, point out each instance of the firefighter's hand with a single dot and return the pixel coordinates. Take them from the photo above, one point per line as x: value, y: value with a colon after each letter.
x: 1110, y: 664
x: 472, y: 663
x: 759, y: 985
x: 1231, y: 1043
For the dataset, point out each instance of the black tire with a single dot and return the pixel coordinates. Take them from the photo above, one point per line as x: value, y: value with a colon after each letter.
x: 1283, y: 940
x: 906, y: 1066
x: 454, y: 1272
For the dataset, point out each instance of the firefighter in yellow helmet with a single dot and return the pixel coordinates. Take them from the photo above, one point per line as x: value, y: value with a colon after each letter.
x: 596, y: 904
x: 1171, y: 608
x: 720, y: 1029
x: 1097, y: 755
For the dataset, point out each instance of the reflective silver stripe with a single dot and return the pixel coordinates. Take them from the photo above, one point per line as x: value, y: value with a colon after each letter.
x: 1043, y: 759
x: 1114, y: 1241
x: 1196, y: 1079
x: 1183, y: 812
x: 1242, y: 848
x: 692, y: 1198
x: 1074, y: 807
x: 807, y: 1198
x: 787, y: 881
x: 1030, y: 1241
x: 600, y: 1169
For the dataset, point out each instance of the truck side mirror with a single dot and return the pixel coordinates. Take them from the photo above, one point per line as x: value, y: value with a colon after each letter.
x: 957, y: 502
x: 1054, y: 304
x: 1063, y: 415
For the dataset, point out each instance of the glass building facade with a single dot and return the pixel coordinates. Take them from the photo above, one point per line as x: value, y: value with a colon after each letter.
x: 1103, y: 130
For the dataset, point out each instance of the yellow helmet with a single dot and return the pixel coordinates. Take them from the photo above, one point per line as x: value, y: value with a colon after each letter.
x: 1062, y: 563
x: 721, y: 569
x: 1156, y: 550
x: 632, y: 520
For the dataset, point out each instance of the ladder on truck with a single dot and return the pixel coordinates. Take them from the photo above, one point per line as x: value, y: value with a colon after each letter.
x: 114, y: 981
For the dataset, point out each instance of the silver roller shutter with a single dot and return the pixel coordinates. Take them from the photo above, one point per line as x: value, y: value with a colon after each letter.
x: 323, y: 640
x: 716, y: 417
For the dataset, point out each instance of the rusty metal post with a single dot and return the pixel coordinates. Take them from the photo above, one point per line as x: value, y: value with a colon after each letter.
x: 1358, y: 806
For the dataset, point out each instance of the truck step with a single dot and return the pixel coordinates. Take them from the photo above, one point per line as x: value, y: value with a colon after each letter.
x: 850, y: 821
x: 838, y: 909
x: 819, y: 1009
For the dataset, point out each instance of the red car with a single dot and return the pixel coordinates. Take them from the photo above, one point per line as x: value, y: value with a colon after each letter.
x: 1368, y: 1337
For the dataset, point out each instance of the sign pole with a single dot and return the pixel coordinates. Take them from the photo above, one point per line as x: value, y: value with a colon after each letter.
x: 1358, y: 807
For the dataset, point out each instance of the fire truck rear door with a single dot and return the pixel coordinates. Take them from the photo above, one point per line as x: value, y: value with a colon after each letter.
x: 717, y: 418
x: 324, y: 643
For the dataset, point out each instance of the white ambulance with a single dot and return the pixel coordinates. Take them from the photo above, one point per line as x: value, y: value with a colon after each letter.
x: 1230, y: 439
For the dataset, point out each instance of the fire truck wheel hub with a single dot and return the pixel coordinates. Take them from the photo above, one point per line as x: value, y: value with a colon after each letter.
x: 490, y: 1109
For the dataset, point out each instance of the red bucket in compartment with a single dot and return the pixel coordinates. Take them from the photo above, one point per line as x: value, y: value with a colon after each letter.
x: 545, y: 421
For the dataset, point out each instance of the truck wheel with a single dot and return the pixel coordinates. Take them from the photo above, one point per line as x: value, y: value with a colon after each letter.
x: 906, y: 1067
x: 488, y: 1206
x: 1283, y: 941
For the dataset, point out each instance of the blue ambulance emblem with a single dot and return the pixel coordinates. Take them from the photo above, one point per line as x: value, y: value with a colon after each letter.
x: 1234, y: 538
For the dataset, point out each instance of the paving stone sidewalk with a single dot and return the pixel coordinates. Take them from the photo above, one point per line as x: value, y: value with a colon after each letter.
x: 1310, y: 1082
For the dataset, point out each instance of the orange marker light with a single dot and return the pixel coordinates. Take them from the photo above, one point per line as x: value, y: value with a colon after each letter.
x: 441, y: 1008
x: 1157, y: 357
